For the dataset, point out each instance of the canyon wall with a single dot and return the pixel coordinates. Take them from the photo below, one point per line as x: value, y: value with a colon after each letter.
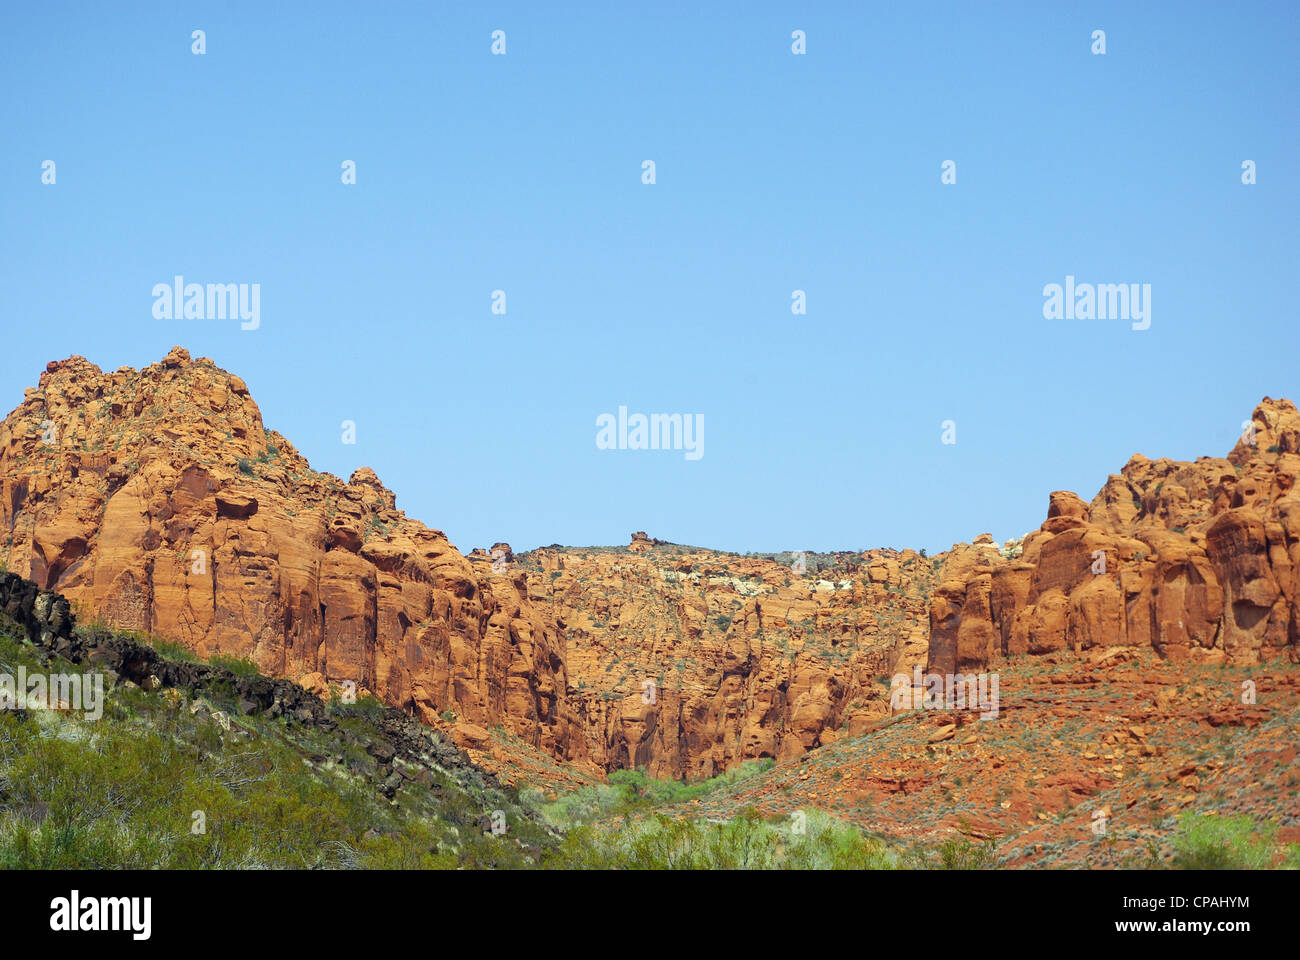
x: 156, y: 500
x: 1196, y: 560
x: 685, y: 660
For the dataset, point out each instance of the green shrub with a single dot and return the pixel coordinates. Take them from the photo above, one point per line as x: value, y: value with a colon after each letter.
x: 745, y: 842
x: 171, y: 650
x: 1228, y: 843
x: 239, y: 666
x: 631, y: 791
x: 955, y: 853
x: 122, y: 792
x: 365, y: 706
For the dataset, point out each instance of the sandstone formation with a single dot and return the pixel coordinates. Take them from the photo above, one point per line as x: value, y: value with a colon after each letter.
x: 685, y: 661
x: 157, y: 501
x: 1196, y: 560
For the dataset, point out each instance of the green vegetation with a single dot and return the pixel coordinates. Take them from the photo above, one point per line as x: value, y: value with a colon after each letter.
x: 636, y: 822
x: 123, y: 792
x: 631, y: 791
x: 745, y: 842
x: 955, y: 853
x: 236, y: 665
x: 171, y: 649
x: 161, y: 781
x: 1230, y: 843
x: 367, y: 706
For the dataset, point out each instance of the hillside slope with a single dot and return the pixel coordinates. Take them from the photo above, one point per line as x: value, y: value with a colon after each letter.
x: 176, y: 763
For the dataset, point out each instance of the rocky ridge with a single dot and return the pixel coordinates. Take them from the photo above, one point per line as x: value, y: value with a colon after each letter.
x: 157, y: 500
x: 1198, y: 561
x: 687, y: 661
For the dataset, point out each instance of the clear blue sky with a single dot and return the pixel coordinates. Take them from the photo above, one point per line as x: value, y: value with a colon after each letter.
x: 775, y: 172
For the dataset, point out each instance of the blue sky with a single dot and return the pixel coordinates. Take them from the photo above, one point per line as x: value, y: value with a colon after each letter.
x: 775, y: 172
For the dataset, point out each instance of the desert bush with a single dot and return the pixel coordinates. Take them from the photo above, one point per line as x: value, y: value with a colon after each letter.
x: 239, y: 666
x: 1229, y: 843
x: 745, y: 842
x: 954, y: 853
x: 122, y: 792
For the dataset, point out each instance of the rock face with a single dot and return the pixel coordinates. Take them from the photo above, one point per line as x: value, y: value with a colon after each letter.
x: 157, y: 501
x: 685, y: 661
x: 1196, y: 560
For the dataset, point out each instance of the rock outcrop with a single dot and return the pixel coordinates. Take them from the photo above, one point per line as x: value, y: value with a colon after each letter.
x: 157, y: 501
x: 1196, y: 560
x: 685, y: 661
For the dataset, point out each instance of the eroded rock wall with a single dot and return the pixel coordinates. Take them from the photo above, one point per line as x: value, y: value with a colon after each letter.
x: 1197, y: 560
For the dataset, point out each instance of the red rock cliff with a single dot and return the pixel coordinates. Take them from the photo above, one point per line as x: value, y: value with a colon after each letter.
x: 1201, y: 560
x: 157, y: 501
